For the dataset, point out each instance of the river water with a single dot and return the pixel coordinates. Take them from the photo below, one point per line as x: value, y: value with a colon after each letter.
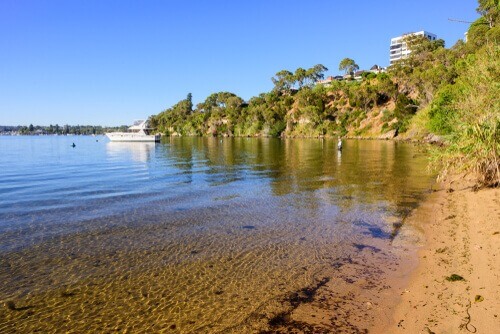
x: 194, y: 235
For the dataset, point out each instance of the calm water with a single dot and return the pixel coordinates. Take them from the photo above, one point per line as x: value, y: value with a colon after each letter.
x: 190, y: 235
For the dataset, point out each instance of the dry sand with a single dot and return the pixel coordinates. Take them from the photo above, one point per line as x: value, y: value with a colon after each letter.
x: 462, y: 232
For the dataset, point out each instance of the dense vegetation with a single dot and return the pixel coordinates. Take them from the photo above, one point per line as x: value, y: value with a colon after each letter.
x: 453, y: 93
x: 297, y: 106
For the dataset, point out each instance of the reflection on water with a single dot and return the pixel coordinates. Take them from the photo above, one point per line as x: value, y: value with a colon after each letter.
x: 138, y: 151
x: 193, y: 234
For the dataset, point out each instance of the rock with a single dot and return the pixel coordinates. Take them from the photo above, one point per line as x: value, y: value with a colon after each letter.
x: 10, y: 305
x: 434, y: 139
x: 389, y: 135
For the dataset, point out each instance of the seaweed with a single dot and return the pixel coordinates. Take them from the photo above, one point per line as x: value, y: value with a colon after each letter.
x: 454, y: 278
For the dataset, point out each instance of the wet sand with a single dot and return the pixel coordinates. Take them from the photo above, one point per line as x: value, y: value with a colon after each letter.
x: 359, y: 298
x: 456, y: 287
x: 446, y: 278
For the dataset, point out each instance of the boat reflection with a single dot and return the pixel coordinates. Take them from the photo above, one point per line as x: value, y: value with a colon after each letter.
x: 138, y: 151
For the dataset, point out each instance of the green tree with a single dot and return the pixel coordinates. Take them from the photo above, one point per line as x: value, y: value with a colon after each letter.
x: 300, y: 76
x: 316, y: 73
x: 348, y: 65
x: 189, y: 102
x: 283, y: 80
x: 489, y: 9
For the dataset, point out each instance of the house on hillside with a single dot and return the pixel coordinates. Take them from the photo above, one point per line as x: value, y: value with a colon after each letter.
x: 326, y: 82
x: 347, y: 76
x: 358, y: 75
x: 377, y: 69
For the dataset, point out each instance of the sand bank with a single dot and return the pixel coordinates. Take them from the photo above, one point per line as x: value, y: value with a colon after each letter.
x: 456, y: 286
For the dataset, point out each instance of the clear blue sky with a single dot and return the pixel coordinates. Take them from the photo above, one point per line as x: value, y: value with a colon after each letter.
x: 110, y: 62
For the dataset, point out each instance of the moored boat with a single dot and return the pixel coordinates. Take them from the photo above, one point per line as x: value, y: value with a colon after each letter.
x: 139, y: 131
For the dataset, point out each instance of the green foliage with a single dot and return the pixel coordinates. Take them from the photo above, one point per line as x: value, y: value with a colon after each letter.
x: 490, y: 11
x: 442, y: 110
x: 285, y: 80
x: 474, y: 146
x: 348, y: 65
x: 369, y: 75
x: 427, y: 68
x: 477, y: 34
x: 277, y: 128
x: 404, y: 107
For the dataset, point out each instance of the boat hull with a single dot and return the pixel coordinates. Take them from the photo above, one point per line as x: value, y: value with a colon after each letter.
x: 134, y: 137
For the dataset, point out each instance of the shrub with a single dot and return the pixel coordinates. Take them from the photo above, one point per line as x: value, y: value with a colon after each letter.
x: 475, y: 143
x: 370, y: 75
x: 442, y: 110
x: 277, y: 128
x: 404, y: 107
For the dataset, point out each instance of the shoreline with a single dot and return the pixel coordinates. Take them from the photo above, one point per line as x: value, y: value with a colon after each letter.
x: 454, y: 288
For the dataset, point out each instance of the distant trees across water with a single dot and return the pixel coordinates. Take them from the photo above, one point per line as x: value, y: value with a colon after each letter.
x: 59, y: 130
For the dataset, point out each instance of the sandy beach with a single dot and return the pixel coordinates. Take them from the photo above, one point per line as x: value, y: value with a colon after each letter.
x: 456, y: 286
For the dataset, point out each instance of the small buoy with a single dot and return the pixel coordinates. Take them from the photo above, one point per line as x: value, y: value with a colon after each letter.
x: 73, y: 145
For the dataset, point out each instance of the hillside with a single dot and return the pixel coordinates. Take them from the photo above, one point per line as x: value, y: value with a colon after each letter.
x: 451, y: 93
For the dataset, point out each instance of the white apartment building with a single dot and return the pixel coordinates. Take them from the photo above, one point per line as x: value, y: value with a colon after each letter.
x: 399, y: 50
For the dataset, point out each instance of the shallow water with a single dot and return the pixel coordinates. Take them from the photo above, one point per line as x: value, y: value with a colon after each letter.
x: 192, y: 234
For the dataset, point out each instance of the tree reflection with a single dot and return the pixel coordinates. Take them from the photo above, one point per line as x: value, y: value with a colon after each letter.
x: 364, y: 172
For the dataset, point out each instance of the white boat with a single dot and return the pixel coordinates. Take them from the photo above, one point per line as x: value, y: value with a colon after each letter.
x: 137, y: 132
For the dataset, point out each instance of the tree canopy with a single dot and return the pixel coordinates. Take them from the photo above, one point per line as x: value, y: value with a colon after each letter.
x: 285, y: 80
x: 348, y: 65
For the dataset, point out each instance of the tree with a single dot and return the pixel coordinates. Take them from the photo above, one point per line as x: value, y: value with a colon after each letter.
x: 283, y: 80
x: 489, y: 9
x: 189, y: 101
x: 316, y: 73
x: 348, y: 65
x: 418, y: 44
x: 31, y: 128
x: 300, y: 76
